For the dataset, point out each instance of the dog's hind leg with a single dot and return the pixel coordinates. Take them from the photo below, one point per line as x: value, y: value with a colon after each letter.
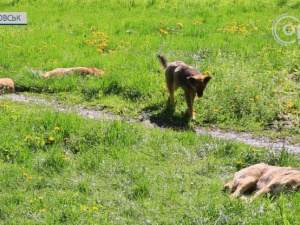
x: 171, y: 88
x: 261, y: 191
x: 171, y: 97
x: 171, y: 85
x: 245, y: 185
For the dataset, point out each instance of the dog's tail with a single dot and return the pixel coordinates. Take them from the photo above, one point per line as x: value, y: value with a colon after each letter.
x: 162, y: 61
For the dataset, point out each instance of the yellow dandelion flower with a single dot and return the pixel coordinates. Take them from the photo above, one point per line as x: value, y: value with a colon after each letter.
x: 65, y: 157
x: 25, y: 174
x: 163, y: 31
x: 180, y: 25
x: 57, y: 128
x: 43, y: 210
x: 257, y: 97
x: 111, y: 51
x: 51, y: 138
x: 27, y: 138
x: 83, y: 208
x: 37, y: 138
x: 271, y: 105
x: 206, y: 73
x: 87, y: 41
x: 289, y: 104
x: 239, y: 162
x: 198, y: 23
x: 95, y: 208
x: 260, y: 123
x: 216, y: 110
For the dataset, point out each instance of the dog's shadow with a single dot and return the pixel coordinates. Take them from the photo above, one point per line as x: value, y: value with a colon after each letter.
x: 167, y: 118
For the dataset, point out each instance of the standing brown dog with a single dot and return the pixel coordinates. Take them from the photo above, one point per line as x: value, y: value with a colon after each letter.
x: 190, y: 79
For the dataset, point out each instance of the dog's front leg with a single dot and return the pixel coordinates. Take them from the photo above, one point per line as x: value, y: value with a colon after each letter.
x: 189, y: 98
x: 229, y: 185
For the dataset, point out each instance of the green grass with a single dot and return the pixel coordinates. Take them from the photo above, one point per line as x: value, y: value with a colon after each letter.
x: 255, y: 79
x: 59, y: 168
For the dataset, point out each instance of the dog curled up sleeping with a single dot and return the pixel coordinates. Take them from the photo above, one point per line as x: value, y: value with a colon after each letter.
x: 6, y: 85
x: 265, y: 179
x: 190, y: 79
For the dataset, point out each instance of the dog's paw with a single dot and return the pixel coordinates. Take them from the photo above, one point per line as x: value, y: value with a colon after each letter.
x: 193, y: 116
x: 245, y: 199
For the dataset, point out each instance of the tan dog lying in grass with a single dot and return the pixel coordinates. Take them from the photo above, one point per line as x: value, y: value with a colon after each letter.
x: 264, y: 179
x: 190, y: 79
x: 82, y: 70
x: 6, y: 85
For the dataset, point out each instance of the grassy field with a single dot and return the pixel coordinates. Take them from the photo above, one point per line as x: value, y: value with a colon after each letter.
x: 60, y: 168
x: 255, y: 83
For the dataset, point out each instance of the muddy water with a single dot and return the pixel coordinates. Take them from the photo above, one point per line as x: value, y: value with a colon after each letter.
x: 244, y: 137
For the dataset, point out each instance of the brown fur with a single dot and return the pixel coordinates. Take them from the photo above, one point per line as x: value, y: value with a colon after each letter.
x: 190, y: 79
x: 265, y: 179
x: 6, y: 85
x: 83, y: 70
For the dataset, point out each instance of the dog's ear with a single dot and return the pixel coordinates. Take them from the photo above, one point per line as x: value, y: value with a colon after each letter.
x: 192, y: 80
x: 206, y: 79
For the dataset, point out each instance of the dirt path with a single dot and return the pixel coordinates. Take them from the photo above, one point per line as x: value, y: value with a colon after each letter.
x: 245, y: 137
